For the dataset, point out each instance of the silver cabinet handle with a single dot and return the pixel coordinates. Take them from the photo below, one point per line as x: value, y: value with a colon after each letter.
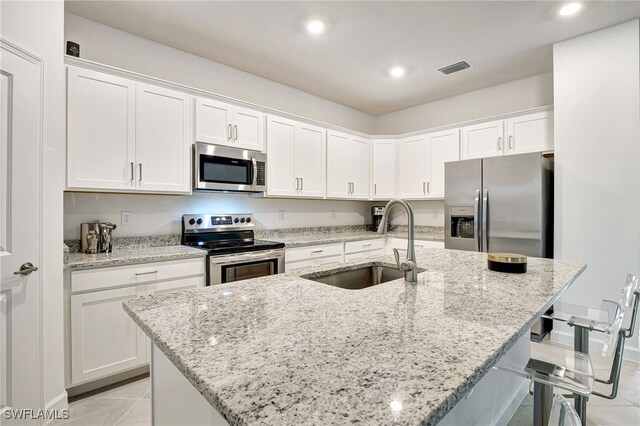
x: 366, y: 245
x: 316, y: 251
x: 500, y: 144
x: 229, y: 132
x: 132, y: 172
x: 26, y: 269
x: 375, y: 188
x: 235, y: 131
x: 297, y: 184
x: 140, y: 176
x: 146, y: 273
x: 424, y: 191
x: 348, y: 187
x: 428, y: 187
x: 510, y: 142
x: 301, y: 184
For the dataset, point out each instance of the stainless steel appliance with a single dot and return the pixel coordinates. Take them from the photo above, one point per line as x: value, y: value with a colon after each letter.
x: 234, y: 253
x: 501, y: 204
x: 219, y: 168
x: 95, y: 237
x: 377, y: 212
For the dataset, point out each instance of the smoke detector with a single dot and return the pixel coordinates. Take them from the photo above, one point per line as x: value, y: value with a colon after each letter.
x: 458, y: 66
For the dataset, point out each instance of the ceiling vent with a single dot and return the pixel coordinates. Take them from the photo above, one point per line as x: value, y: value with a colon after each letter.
x: 458, y: 66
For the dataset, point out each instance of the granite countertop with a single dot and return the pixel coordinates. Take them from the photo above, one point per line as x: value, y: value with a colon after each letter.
x: 126, y: 256
x: 286, y: 350
x: 312, y: 238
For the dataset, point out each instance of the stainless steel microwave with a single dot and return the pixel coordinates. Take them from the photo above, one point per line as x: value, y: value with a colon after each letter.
x: 219, y: 168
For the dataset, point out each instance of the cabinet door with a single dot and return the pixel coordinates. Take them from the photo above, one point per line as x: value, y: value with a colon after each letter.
x: 104, y: 339
x: 281, y: 139
x: 163, y: 139
x: 412, y: 167
x: 360, y: 167
x: 248, y: 129
x: 338, y: 165
x: 530, y: 133
x: 213, y: 122
x: 101, y: 130
x: 443, y: 146
x: 483, y: 140
x: 384, y: 169
x: 310, y: 155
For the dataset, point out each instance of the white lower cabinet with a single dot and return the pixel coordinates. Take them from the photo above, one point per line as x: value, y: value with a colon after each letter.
x: 401, y: 244
x: 103, y: 339
x: 354, y: 250
x: 321, y: 254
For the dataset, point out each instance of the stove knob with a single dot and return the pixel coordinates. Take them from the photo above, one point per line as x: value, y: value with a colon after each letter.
x: 199, y: 221
x: 248, y: 219
x: 236, y: 220
x: 242, y: 220
x: 192, y: 221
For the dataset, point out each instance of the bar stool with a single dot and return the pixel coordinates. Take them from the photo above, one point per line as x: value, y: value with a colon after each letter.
x: 562, y: 413
x: 600, y: 320
x: 565, y: 369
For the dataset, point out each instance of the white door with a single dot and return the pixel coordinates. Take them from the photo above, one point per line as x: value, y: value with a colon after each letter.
x: 104, y: 339
x: 310, y: 155
x: 483, y: 140
x: 412, y: 167
x: 530, y: 133
x: 281, y: 137
x: 384, y: 169
x: 100, y: 130
x: 20, y: 227
x: 213, y: 122
x: 443, y: 146
x: 163, y: 139
x: 338, y: 173
x: 248, y: 129
x: 360, y: 167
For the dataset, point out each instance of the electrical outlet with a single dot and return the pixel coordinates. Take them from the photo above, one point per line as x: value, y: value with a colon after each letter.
x: 281, y: 214
x: 125, y: 219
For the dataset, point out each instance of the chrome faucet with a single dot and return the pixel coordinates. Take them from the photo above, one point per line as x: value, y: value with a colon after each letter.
x: 409, y: 265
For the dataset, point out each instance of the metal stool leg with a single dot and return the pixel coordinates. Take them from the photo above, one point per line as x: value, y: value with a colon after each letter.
x: 542, y: 403
x: 581, y: 344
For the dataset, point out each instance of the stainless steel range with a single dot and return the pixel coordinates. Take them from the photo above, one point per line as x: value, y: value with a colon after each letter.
x: 234, y: 253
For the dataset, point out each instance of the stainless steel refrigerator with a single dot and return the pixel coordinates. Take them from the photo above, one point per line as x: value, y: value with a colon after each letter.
x: 501, y: 204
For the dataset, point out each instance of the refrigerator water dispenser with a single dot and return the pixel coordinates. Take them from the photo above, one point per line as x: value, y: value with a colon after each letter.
x: 462, y: 222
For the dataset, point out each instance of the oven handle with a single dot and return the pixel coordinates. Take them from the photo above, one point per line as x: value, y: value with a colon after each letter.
x: 226, y: 259
x: 254, y: 180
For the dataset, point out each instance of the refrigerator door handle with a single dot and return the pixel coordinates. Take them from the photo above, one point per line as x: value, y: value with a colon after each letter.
x: 476, y: 221
x: 485, y: 217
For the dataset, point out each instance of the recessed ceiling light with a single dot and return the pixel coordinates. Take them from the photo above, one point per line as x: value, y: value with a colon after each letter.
x: 315, y: 26
x: 570, y: 9
x: 397, y: 72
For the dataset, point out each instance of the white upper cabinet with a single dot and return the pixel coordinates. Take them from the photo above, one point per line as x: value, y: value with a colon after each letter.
x: 348, y: 166
x: 163, y: 142
x: 529, y: 133
x: 443, y: 147
x: 483, y: 140
x: 101, y: 131
x: 384, y: 169
x: 223, y: 124
x: 296, y: 159
x: 413, y: 172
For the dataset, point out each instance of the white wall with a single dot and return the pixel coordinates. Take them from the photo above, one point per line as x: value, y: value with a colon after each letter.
x: 161, y: 214
x: 529, y: 92
x: 38, y: 27
x: 110, y: 46
x: 597, y: 159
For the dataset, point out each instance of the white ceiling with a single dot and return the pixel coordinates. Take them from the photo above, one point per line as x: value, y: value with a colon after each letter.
x: 348, y: 64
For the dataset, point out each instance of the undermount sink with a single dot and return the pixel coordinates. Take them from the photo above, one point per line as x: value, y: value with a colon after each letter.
x: 359, y: 278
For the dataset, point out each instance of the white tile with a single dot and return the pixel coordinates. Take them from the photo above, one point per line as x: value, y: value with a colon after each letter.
x: 612, y: 415
x: 139, y: 415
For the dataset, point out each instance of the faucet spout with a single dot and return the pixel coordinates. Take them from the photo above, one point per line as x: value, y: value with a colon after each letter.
x: 409, y: 265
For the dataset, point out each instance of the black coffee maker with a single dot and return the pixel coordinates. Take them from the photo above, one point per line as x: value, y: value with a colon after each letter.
x: 376, y: 217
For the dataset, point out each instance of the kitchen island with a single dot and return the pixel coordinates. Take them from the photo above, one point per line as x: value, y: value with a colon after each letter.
x: 287, y: 350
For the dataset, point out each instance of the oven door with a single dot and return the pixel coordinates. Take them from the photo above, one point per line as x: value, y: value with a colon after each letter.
x: 243, y: 266
x: 220, y: 168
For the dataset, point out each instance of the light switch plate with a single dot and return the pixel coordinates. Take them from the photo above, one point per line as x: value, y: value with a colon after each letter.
x: 125, y: 219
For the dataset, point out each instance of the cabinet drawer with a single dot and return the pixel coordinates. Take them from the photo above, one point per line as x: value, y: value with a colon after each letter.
x: 365, y: 245
x: 362, y: 255
x: 117, y: 276
x: 401, y: 244
x: 327, y: 260
x: 312, y: 252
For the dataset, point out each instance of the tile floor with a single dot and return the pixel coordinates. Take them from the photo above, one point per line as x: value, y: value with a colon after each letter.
x: 129, y: 404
